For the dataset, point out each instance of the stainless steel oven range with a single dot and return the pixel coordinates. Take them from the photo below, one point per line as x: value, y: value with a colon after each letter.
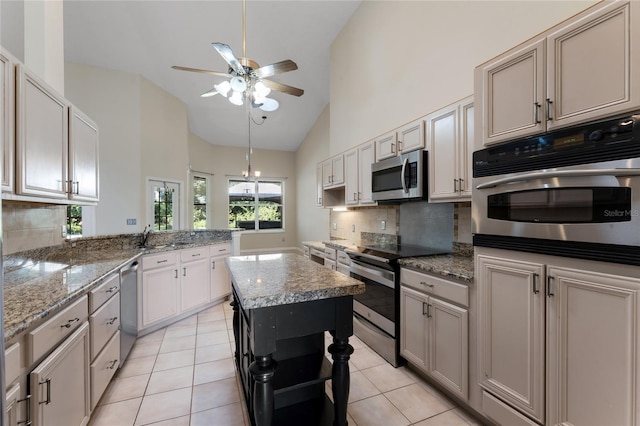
x: 375, y: 312
x: 572, y: 193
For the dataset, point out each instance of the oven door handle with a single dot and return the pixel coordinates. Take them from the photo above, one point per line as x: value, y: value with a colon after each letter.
x: 559, y: 173
x: 383, y: 277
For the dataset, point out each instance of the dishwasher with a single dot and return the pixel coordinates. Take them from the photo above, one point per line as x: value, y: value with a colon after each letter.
x: 128, y: 309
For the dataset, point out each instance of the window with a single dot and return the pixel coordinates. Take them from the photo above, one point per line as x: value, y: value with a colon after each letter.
x: 165, y: 197
x: 199, y: 202
x: 263, y: 196
x: 74, y: 220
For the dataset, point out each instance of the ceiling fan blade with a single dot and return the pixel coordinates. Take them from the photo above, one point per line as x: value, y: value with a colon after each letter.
x: 222, y: 74
x: 277, y: 68
x: 209, y: 93
x: 274, y: 85
x: 226, y: 53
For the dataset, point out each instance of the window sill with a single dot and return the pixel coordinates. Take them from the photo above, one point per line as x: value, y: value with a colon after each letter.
x: 263, y: 231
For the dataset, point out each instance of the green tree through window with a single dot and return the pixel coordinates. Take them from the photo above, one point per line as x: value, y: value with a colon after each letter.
x: 199, y: 202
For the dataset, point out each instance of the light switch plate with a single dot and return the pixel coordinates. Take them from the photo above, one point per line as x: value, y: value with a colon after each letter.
x: 334, y: 226
x: 131, y: 221
x: 353, y: 228
x: 64, y: 231
x: 383, y: 224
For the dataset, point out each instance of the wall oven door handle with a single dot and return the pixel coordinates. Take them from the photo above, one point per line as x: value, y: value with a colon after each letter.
x: 402, y: 179
x: 559, y: 173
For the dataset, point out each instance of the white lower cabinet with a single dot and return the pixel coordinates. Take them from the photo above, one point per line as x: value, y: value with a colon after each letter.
x: 59, y: 385
x: 103, y: 368
x: 588, y: 321
x: 12, y: 408
x: 194, y: 277
x: 220, y: 281
x: 434, y: 337
x: 160, y: 290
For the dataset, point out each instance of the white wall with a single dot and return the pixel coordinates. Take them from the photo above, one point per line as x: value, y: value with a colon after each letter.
x: 313, y: 222
x: 396, y: 61
x: 112, y: 99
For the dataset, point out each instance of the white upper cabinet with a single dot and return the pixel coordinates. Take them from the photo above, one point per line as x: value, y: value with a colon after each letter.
x: 450, y: 143
x: 333, y: 172
x: 351, y: 177
x: 366, y: 157
x: 386, y: 146
x: 411, y: 136
x: 7, y: 115
x: 319, y: 185
x: 83, y: 156
x: 42, y: 138
x: 581, y: 70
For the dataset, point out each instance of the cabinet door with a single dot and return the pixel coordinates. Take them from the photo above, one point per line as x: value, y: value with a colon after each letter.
x: 327, y: 173
x: 411, y: 136
x: 220, y: 282
x: 603, y: 82
x: 448, y: 345
x: 42, y: 138
x: 366, y: 157
x: 337, y: 165
x: 413, y: 326
x: 511, y: 336
x: 59, y: 385
x: 351, y: 177
x: 443, y: 137
x: 386, y: 146
x: 319, y: 185
x: 12, y: 414
x: 592, y: 324
x: 7, y: 111
x: 465, y: 151
x: 195, y: 284
x: 159, y: 295
x: 513, y: 93
x: 83, y: 157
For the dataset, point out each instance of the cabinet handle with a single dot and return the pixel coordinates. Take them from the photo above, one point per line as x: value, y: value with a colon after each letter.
x: 71, y: 321
x: 112, y: 320
x: 213, y: 265
x: 549, y: 102
x: 222, y: 249
x: 176, y: 271
x: 428, y: 285
x: 355, y: 196
x: 428, y: 310
x: 48, y: 400
x: 393, y: 148
x: 113, y: 364
x: 455, y: 185
x: 536, y: 286
x: 461, y: 186
x: 195, y: 255
x: 77, y: 184
x: 423, y: 306
x: 184, y: 272
x: 162, y: 261
x: 549, y: 290
x: 112, y: 289
x: 359, y: 195
x: 536, y: 109
x: 26, y: 399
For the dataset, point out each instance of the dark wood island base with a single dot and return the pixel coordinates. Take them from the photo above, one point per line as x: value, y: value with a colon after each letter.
x: 280, y: 351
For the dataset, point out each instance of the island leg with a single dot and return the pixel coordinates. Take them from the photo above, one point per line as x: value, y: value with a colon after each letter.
x: 262, y: 370
x: 236, y: 330
x: 340, y: 351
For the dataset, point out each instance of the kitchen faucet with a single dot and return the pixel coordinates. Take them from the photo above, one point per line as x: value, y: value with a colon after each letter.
x: 145, y: 235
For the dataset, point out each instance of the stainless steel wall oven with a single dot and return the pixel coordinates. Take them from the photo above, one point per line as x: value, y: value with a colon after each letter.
x: 574, y: 192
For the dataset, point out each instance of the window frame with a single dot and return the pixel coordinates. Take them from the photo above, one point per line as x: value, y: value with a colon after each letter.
x: 208, y: 207
x: 256, y: 199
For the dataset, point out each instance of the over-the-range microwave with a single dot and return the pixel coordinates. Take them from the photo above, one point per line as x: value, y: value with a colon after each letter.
x: 400, y: 178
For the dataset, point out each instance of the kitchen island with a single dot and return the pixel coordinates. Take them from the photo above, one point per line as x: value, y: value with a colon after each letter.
x: 283, y: 304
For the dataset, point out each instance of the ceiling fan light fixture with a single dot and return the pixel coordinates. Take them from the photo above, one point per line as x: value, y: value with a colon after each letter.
x: 260, y: 90
x: 269, y: 105
x: 223, y: 88
x: 236, y: 98
x: 238, y: 84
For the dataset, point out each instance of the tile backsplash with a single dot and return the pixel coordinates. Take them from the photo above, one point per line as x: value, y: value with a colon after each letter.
x: 27, y: 226
x: 350, y: 224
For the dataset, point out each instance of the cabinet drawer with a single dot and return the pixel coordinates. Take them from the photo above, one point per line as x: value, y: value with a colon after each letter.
x: 445, y: 289
x: 497, y: 410
x: 198, y: 253
x: 344, y: 258
x: 220, y: 250
x: 13, y: 366
x: 103, y: 292
x: 330, y: 253
x: 306, y: 251
x: 45, y: 337
x: 159, y: 260
x: 103, y: 368
x: 316, y: 252
x: 103, y: 323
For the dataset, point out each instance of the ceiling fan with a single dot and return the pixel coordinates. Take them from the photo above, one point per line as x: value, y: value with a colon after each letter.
x: 247, y: 80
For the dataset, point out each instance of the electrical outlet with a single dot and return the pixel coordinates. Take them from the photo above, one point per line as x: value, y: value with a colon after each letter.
x: 335, y: 226
x: 64, y: 231
x: 131, y: 221
x: 353, y: 228
x: 383, y: 224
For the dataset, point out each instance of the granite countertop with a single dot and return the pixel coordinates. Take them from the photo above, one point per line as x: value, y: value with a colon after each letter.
x: 318, y: 245
x: 39, y: 283
x: 458, y: 266
x: 284, y: 278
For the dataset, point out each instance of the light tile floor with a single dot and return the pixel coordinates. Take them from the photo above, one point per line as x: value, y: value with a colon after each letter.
x: 184, y: 375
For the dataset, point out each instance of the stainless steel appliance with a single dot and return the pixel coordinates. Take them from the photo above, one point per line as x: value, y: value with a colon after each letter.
x: 375, y: 312
x: 400, y: 178
x: 574, y: 192
x: 128, y: 309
